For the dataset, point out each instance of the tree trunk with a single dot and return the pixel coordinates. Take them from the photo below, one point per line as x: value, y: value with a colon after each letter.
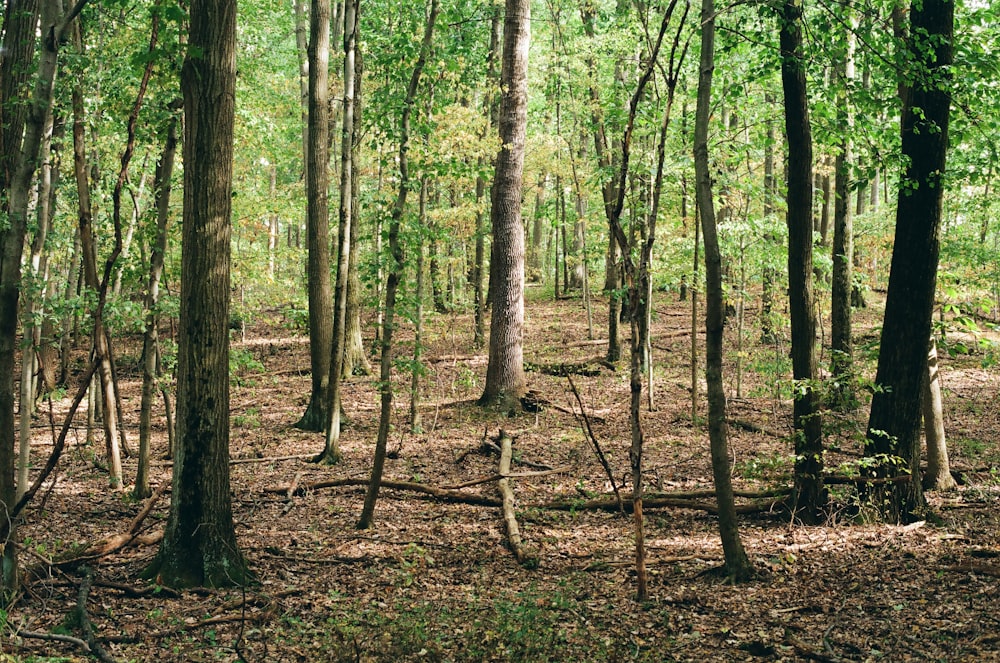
x: 395, y: 275
x: 505, y: 382
x: 841, y: 344
x: 150, y: 350
x: 199, y: 545
x: 894, y: 423
x: 317, y: 153
x: 938, y: 476
x: 810, y: 494
x: 101, y: 346
x: 737, y: 564
x: 331, y: 450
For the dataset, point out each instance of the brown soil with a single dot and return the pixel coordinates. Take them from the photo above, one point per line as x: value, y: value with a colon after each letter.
x: 433, y: 580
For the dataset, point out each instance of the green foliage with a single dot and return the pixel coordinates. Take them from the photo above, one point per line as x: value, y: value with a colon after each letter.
x: 241, y: 363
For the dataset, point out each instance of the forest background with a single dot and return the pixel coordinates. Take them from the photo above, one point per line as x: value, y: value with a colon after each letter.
x: 348, y: 174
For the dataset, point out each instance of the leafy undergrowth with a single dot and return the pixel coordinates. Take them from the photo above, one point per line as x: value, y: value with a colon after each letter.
x: 434, y: 581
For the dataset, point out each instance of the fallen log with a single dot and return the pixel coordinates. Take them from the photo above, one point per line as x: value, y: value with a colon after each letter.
x: 509, y: 518
x: 440, y: 493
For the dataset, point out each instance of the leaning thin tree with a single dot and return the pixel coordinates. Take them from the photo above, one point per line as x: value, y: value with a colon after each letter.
x: 637, y: 273
x: 395, y: 273
x: 737, y: 564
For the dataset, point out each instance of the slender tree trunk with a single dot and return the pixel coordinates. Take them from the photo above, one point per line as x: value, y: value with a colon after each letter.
x: 480, y: 302
x: 355, y: 359
x: 317, y: 172
x: 102, y: 349
x: 199, y: 545
x: 842, y: 346
x: 331, y: 451
x: 395, y: 274
x: 505, y: 382
x: 33, y: 299
x: 737, y: 564
x: 811, y: 495
x: 938, y: 476
x: 150, y: 349
x: 894, y: 423
x: 418, y: 332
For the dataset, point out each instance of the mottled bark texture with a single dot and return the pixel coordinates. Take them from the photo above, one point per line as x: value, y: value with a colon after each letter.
x: 505, y: 382
x: 199, y: 545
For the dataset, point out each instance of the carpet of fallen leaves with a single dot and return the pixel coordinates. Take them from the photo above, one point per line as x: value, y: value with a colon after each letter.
x: 433, y: 580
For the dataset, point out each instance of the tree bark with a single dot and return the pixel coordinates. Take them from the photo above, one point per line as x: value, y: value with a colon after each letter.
x: 938, y: 475
x: 841, y: 344
x: 811, y: 496
x: 92, y: 280
x: 894, y: 423
x: 395, y: 275
x: 150, y: 350
x: 505, y: 382
x: 199, y: 545
x: 317, y: 172
x: 737, y: 564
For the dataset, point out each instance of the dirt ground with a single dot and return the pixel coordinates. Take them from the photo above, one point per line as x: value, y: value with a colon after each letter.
x: 434, y: 579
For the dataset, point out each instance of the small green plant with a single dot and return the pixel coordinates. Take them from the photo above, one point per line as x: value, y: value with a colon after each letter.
x: 241, y: 362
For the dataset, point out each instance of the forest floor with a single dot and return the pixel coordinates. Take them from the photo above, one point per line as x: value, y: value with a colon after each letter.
x: 434, y: 580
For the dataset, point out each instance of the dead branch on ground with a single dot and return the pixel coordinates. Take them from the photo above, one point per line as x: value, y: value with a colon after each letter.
x: 597, y: 447
x: 509, y: 518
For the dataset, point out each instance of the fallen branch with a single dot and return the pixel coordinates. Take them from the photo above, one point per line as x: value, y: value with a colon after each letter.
x: 84, y: 619
x: 55, y: 637
x: 972, y: 567
x: 597, y: 447
x: 509, y: 475
x: 116, y: 542
x: 440, y: 493
x: 509, y: 518
x: 654, y: 503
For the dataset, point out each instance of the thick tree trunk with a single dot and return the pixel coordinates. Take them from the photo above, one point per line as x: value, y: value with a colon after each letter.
x: 894, y: 423
x: 811, y: 496
x: 317, y: 153
x: 505, y: 382
x: 199, y: 545
x: 737, y: 564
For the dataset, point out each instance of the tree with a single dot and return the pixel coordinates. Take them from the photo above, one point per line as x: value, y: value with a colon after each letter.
x: 810, y: 493
x: 737, y: 564
x: 505, y: 382
x: 317, y: 153
x: 893, y: 437
x: 841, y: 350
x: 352, y: 79
x: 395, y: 272
x: 199, y: 545
x: 21, y: 132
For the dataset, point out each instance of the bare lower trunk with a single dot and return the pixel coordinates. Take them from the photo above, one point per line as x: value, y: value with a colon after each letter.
x: 938, y: 475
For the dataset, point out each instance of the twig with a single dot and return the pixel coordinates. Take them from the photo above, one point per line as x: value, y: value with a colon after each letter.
x: 55, y: 637
x: 290, y: 493
x: 597, y: 446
